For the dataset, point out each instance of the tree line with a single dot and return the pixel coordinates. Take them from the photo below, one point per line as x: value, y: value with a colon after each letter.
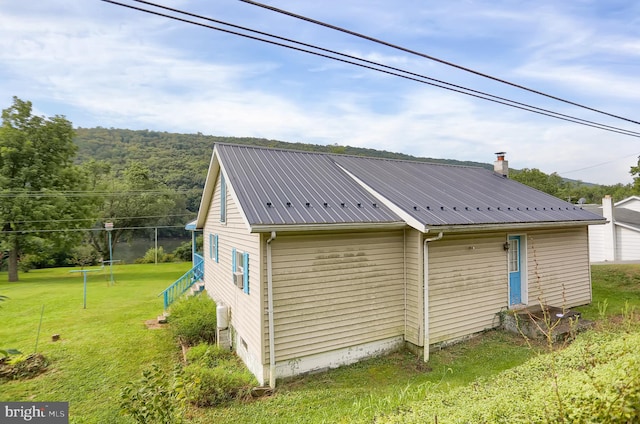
x: 60, y: 185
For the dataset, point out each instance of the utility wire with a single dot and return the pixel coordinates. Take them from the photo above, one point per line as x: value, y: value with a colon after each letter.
x: 87, y: 229
x: 468, y: 92
x: 426, y: 56
x: 49, y: 194
x: 600, y: 164
x: 110, y: 218
x: 289, y: 40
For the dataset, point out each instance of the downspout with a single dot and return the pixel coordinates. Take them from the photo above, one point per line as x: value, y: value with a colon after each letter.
x: 425, y: 265
x: 272, y: 349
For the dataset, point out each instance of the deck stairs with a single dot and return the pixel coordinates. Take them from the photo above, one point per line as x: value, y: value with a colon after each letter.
x: 191, y: 283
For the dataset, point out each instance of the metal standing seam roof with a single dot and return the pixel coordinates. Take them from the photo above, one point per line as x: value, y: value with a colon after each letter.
x: 437, y: 194
x: 282, y: 187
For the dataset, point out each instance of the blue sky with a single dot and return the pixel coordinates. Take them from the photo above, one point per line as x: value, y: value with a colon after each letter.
x: 104, y: 65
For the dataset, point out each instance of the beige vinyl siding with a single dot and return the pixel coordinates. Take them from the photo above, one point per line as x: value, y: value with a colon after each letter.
x: 246, y: 311
x: 333, y: 291
x: 467, y: 284
x: 558, y: 265
x: 414, y: 287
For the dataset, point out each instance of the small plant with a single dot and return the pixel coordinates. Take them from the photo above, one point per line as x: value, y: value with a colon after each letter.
x: 156, y: 397
x: 193, y: 320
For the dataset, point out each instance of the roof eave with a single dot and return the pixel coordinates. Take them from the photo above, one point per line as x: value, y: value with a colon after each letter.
x: 267, y: 228
x: 512, y: 226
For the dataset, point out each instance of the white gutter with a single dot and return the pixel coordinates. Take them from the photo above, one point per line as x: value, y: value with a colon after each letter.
x: 265, y: 228
x: 272, y: 348
x: 513, y: 226
x: 425, y: 265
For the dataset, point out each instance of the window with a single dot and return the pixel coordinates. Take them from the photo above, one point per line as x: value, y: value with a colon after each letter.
x: 223, y: 198
x: 213, y: 247
x: 240, y: 269
x: 514, y: 256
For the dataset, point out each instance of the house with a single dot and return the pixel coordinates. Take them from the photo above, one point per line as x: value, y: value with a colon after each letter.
x: 322, y: 260
x: 619, y: 238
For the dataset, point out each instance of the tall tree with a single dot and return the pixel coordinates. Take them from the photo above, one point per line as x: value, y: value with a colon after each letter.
x: 131, y: 200
x: 37, y: 181
x: 551, y: 184
x: 635, y: 172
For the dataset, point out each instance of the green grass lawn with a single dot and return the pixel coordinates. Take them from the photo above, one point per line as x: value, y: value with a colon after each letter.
x: 102, y: 347
x: 107, y: 345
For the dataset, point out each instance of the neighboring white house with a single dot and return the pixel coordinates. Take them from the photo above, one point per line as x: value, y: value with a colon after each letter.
x: 619, y: 238
x: 322, y: 260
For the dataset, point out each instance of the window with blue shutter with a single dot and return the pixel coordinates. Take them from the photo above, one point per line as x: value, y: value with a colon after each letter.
x: 216, y: 257
x: 240, y: 269
x: 223, y: 199
x: 245, y: 277
x: 211, y: 246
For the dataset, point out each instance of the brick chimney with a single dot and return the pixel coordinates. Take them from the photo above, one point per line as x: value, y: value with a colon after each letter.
x: 501, y: 166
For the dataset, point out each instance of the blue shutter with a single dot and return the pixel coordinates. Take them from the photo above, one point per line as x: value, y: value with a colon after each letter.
x: 245, y: 277
x: 233, y: 260
x: 215, y: 251
x: 211, y: 238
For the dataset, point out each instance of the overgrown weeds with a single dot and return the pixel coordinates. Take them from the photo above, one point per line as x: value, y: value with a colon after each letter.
x: 193, y: 320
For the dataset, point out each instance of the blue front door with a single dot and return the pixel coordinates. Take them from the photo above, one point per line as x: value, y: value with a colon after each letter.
x: 515, y: 273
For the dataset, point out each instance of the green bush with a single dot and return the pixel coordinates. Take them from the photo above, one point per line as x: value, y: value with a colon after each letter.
x: 150, y: 256
x: 208, y: 355
x: 156, y: 397
x: 228, y: 380
x: 192, y: 320
x: 184, y: 251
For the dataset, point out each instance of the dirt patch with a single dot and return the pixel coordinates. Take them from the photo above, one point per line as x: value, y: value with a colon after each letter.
x: 153, y: 324
x: 22, y: 366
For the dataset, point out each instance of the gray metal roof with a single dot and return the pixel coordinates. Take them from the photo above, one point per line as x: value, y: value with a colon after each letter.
x: 278, y: 187
x: 622, y: 215
x: 437, y: 194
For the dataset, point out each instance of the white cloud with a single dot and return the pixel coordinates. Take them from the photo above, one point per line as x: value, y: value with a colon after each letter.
x: 103, y: 65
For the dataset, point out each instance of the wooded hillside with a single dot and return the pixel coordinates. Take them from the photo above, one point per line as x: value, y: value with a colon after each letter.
x: 181, y: 160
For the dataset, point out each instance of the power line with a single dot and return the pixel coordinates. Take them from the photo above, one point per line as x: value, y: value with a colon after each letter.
x: 50, y: 194
x: 600, y: 164
x: 63, y: 230
x: 426, y: 56
x: 114, y: 218
x: 468, y: 92
x: 481, y: 93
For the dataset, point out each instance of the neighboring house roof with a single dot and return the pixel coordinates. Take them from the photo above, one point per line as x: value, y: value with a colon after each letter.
x: 622, y: 216
x: 276, y: 187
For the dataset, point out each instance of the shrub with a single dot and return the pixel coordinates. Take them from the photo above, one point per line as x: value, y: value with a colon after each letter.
x: 150, y: 256
x: 155, y: 397
x: 226, y: 381
x: 193, y: 320
x: 183, y: 252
